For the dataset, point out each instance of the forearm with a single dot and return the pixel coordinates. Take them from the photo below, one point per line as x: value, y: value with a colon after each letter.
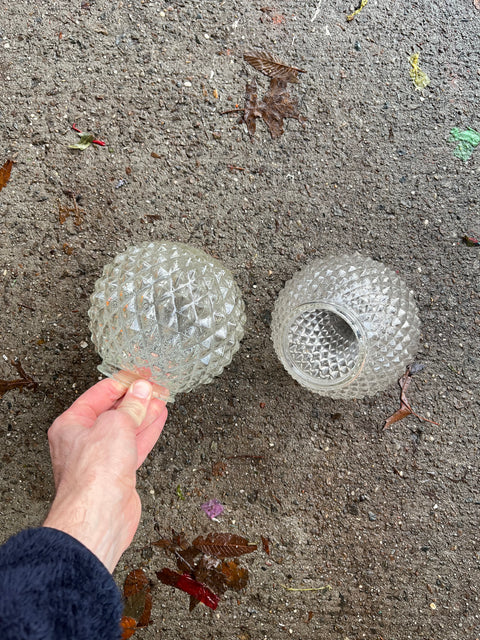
x: 52, y: 587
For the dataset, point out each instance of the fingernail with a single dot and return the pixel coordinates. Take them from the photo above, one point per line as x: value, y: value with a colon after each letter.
x: 141, y: 389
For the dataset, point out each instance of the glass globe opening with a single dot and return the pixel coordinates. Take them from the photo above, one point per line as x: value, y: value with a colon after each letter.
x: 325, y: 345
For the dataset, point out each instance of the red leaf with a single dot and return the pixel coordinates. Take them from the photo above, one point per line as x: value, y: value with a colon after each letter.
x: 5, y: 173
x: 186, y: 583
x: 224, y: 545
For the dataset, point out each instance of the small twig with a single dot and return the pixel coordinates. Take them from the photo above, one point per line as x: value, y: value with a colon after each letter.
x: 463, y: 478
x: 25, y: 381
x: 327, y: 587
x: 231, y: 111
x: 244, y: 456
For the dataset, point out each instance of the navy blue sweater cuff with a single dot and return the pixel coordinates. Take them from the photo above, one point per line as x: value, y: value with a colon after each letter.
x: 52, y: 587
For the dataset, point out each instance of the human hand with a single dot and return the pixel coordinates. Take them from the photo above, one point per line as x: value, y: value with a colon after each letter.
x: 96, y: 447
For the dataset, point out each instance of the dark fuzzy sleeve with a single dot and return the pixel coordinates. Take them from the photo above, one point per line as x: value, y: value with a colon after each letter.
x: 52, y: 587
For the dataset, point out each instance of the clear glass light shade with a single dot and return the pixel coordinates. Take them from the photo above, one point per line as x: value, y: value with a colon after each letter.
x: 166, y: 312
x: 345, y: 326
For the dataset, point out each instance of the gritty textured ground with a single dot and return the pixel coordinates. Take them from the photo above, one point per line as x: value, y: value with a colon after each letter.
x: 388, y: 519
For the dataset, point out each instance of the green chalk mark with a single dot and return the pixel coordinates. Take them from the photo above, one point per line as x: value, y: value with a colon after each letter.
x: 467, y: 141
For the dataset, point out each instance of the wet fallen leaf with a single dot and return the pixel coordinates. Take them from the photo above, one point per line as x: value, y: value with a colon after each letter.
x: 405, y: 407
x: 419, y: 77
x: 203, y: 564
x: 85, y: 141
x: 224, y: 545
x: 266, y: 545
x: 128, y: 626
x: 470, y: 241
x: 272, y: 66
x: 236, y: 577
x: 5, y: 173
x: 277, y: 105
x: 24, y: 382
x: 186, y: 583
x: 137, y: 597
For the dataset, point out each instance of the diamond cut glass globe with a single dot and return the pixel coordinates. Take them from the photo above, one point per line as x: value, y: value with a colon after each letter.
x: 166, y: 312
x: 345, y: 326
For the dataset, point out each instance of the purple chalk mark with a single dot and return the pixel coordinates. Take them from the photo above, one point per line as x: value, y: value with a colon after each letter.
x: 213, y: 508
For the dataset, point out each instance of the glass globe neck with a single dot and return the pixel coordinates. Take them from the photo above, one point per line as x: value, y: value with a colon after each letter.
x: 356, y: 343
x: 128, y: 377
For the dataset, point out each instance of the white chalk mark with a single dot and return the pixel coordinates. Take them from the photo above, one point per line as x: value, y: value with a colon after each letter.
x: 317, y: 10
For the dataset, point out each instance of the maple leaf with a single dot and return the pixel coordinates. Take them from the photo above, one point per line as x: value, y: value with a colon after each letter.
x: 272, y: 66
x: 277, y: 105
x: 273, y: 109
x: 5, y: 173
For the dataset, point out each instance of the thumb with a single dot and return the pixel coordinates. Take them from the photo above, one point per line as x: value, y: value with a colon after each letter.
x: 136, y: 400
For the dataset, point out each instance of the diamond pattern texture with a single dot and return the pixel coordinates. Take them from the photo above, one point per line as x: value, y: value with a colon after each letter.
x: 331, y: 356
x: 168, y: 312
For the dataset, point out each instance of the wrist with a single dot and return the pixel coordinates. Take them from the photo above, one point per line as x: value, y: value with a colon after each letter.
x: 103, y: 531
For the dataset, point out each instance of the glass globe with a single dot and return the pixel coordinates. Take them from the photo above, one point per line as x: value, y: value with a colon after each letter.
x: 166, y: 312
x: 345, y: 326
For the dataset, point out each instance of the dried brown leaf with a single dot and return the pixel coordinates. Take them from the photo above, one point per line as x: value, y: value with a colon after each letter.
x: 277, y: 105
x: 405, y: 407
x: 398, y: 415
x: 5, y: 173
x: 224, y: 545
x: 273, y: 109
x: 272, y: 66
